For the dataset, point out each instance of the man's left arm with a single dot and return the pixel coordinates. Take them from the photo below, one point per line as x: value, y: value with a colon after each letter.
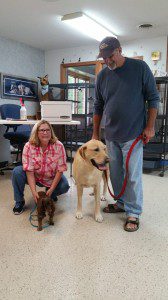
x: 149, y: 130
x: 152, y: 98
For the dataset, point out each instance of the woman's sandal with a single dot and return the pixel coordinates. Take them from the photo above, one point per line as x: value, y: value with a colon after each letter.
x: 128, y: 221
x: 112, y: 208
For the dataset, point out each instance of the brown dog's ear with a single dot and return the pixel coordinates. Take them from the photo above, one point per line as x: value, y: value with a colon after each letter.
x: 39, y: 77
x: 44, y: 203
x: 46, y: 76
x: 82, y: 151
x: 39, y: 205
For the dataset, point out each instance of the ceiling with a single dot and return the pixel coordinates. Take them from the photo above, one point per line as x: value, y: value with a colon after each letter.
x: 37, y: 22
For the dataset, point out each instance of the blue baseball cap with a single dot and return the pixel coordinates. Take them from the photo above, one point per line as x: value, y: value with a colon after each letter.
x: 107, y: 46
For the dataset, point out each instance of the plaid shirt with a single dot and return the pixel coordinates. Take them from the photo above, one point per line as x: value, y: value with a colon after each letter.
x: 44, y: 164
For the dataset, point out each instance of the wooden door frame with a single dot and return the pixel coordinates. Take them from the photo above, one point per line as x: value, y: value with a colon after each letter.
x: 98, y: 67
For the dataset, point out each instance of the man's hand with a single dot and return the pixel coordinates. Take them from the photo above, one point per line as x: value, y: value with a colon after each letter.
x: 148, y: 133
x: 95, y: 137
x: 35, y: 196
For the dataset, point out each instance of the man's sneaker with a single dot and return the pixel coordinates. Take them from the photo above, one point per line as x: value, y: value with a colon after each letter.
x: 17, y: 210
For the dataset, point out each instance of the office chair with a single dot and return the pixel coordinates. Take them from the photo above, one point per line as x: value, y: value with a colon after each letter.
x: 18, y: 135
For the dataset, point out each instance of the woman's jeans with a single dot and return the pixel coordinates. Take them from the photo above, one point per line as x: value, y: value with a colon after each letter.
x: 19, y: 179
x: 132, y: 200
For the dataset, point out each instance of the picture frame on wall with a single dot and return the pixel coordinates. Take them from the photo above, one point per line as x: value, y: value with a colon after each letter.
x: 15, y: 87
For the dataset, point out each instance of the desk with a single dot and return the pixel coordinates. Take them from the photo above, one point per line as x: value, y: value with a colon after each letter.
x: 33, y: 122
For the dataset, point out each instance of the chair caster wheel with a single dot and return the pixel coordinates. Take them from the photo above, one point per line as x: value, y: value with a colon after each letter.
x: 161, y: 174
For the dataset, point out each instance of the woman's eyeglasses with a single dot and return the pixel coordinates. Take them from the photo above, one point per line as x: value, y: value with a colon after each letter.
x: 44, y: 130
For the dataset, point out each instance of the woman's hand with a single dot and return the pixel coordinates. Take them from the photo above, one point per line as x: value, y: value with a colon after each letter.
x: 54, y: 183
x: 35, y: 196
x: 49, y: 192
x: 32, y: 183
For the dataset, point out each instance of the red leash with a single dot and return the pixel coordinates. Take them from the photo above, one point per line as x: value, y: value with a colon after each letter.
x: 140, y: 137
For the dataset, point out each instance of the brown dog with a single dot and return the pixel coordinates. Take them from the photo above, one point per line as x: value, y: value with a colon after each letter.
x: 89, y: 163
x: 44, y: 204
x: 45, y: 94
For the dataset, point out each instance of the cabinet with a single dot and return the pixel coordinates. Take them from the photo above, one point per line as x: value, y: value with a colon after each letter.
x: 156, y: 151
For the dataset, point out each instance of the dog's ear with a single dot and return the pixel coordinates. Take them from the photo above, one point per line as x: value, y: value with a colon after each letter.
x: 46, y: 76
x: 39, y: 205
x: 82, y: 151
x: 39, y: 77
x: 44, y: 203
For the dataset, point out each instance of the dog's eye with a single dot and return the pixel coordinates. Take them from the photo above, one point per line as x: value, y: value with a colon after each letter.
x: 97, y: 149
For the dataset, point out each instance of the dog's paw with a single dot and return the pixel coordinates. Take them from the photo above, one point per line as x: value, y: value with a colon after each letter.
x: 79, y: 215
x: 99, y: 218
x: 103, y: 198
x: 51, y: 223
x: 39, y: 228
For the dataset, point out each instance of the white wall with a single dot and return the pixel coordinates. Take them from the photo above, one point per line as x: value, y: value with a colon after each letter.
x: 144, y: 48
x: 21, y: 60
x: 53, y: 58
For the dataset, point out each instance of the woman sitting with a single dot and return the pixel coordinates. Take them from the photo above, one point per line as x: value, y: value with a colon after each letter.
x: 44, y: 161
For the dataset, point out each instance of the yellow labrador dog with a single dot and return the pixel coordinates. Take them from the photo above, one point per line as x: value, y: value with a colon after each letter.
x: 89, y: 163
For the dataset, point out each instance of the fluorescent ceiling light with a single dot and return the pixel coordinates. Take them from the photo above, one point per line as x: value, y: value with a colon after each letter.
x: 87, y: 25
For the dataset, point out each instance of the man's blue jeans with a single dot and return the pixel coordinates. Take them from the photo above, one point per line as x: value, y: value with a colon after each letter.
x: 132, y: 200
x: 19, y: 179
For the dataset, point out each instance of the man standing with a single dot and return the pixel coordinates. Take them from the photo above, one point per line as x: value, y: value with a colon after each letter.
x: 123, y: 89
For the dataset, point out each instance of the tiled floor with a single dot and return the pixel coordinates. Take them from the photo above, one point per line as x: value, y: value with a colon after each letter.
x: 82, y: 259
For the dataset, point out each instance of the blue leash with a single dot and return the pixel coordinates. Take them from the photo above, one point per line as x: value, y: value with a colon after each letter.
x: 31, y: 218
